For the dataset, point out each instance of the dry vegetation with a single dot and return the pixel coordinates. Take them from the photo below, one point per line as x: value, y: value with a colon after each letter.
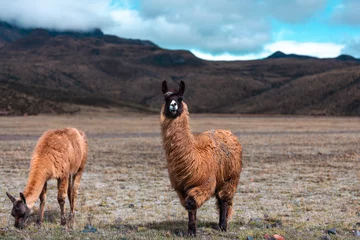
x: 300, y: 177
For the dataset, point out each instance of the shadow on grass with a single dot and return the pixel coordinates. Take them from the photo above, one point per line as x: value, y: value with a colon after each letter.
x: 50, y: 216
x: 175, y: 228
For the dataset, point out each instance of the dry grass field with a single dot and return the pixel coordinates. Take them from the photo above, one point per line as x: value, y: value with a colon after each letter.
x: 301, y: 177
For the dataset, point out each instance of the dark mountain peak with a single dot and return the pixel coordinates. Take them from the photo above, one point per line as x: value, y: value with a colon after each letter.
x: 5, y: 25
x: 173, y: 58
x: 345, y: 57
x: 39, y: 32
x: 279, y: 54
x: 10, y: 33
x: 117, y: 40
x: 96, y: 32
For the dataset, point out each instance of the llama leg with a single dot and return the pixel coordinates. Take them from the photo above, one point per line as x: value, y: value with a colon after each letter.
x: 70, y: 187
x: 223, y: 213
x: 195, y: 199
x: 42, y: 204
x: 225, y: 201
x: 192, y: 223
x: 70, y: 193
x: 181, y: 196
x: 62, y: 190
x: 198, y: 195
x: 74, y: 191
x: 190, y: 206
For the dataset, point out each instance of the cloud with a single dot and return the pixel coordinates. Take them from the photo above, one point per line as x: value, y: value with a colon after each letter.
x: 347, y: 13
x: 321, y: 50
x: 221, y: 29
x: 229, y: 57
x: 61, y: 15
x: 352, y: 47
x: 294, y: 11
x: 212, y: 26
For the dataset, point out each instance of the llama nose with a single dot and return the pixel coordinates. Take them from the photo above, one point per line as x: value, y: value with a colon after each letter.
x: 173, y: 104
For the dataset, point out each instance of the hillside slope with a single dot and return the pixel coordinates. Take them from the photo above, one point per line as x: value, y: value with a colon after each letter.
x: 103, y: 70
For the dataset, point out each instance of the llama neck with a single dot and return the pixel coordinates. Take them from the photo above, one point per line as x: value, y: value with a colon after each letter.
x: 177, y: 137
x: 35, y: 184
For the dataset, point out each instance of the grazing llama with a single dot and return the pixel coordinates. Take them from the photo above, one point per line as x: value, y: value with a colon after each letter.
x: 59, y: 154
x: 200, y: 166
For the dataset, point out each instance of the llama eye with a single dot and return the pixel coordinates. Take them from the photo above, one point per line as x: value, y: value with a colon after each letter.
x: 180, y: 99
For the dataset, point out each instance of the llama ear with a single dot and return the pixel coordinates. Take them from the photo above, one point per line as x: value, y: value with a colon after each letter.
x: 12, y: 199
x: 22, y: 197
x: 182, y: 88
x: 164, y: 87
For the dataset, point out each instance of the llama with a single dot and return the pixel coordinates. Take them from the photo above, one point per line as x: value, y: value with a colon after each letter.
x: 200, y: 166
x: 59, y: 154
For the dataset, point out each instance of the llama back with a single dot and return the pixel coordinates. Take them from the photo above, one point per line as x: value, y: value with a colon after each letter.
x: 60, y: 152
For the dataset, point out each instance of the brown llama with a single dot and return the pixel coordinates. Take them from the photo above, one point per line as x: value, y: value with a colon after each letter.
x: 59, y: 154
x: 200, y: 166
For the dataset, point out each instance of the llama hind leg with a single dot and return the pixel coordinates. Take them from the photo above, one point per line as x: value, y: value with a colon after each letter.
x: 70, y: 197
x: 74, y: 191
x: 70, y: 189
x: 225, y: 208
x: 62, y: 193
x: 225, y: 202
x: 42, y: 204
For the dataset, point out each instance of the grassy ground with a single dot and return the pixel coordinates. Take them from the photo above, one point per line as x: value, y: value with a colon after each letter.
x: 300, y: 177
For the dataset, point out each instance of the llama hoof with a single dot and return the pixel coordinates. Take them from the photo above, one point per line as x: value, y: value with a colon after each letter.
x: 38, y: 223
x: 71, y: 216
x: 190, y: 204
x: 192, y: 232
x: 63, y: 222
x: 223, y: 227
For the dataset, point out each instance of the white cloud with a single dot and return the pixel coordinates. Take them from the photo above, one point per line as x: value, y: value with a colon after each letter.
x: 347, y: 13
x: 321, y: 50
x: 225, y: 29
x: 294, y: 11
x: 55, y: 14
x: 129, y: 24
x: 352, y: 47
x: 228, y: 56
x: 211, y: 26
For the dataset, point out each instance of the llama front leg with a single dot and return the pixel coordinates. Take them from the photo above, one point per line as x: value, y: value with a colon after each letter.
x: 42, y: 204
x: 62, y: 190
x: 192, y: 223
x: 195, y: 199
x: 198, y: 195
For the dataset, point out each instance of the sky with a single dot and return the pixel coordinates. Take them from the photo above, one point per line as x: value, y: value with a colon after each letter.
x: 211, y: 29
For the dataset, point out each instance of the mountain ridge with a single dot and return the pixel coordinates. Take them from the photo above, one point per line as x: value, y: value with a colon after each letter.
x: 103, y: 70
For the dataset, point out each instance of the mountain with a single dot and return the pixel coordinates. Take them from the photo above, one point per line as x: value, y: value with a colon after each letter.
x: 345, y: 57
x: 50, y: 70
x: 279, y: 54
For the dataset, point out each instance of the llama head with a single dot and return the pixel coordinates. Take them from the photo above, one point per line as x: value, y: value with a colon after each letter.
x: 173, y: 100
x: 20, y: 210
